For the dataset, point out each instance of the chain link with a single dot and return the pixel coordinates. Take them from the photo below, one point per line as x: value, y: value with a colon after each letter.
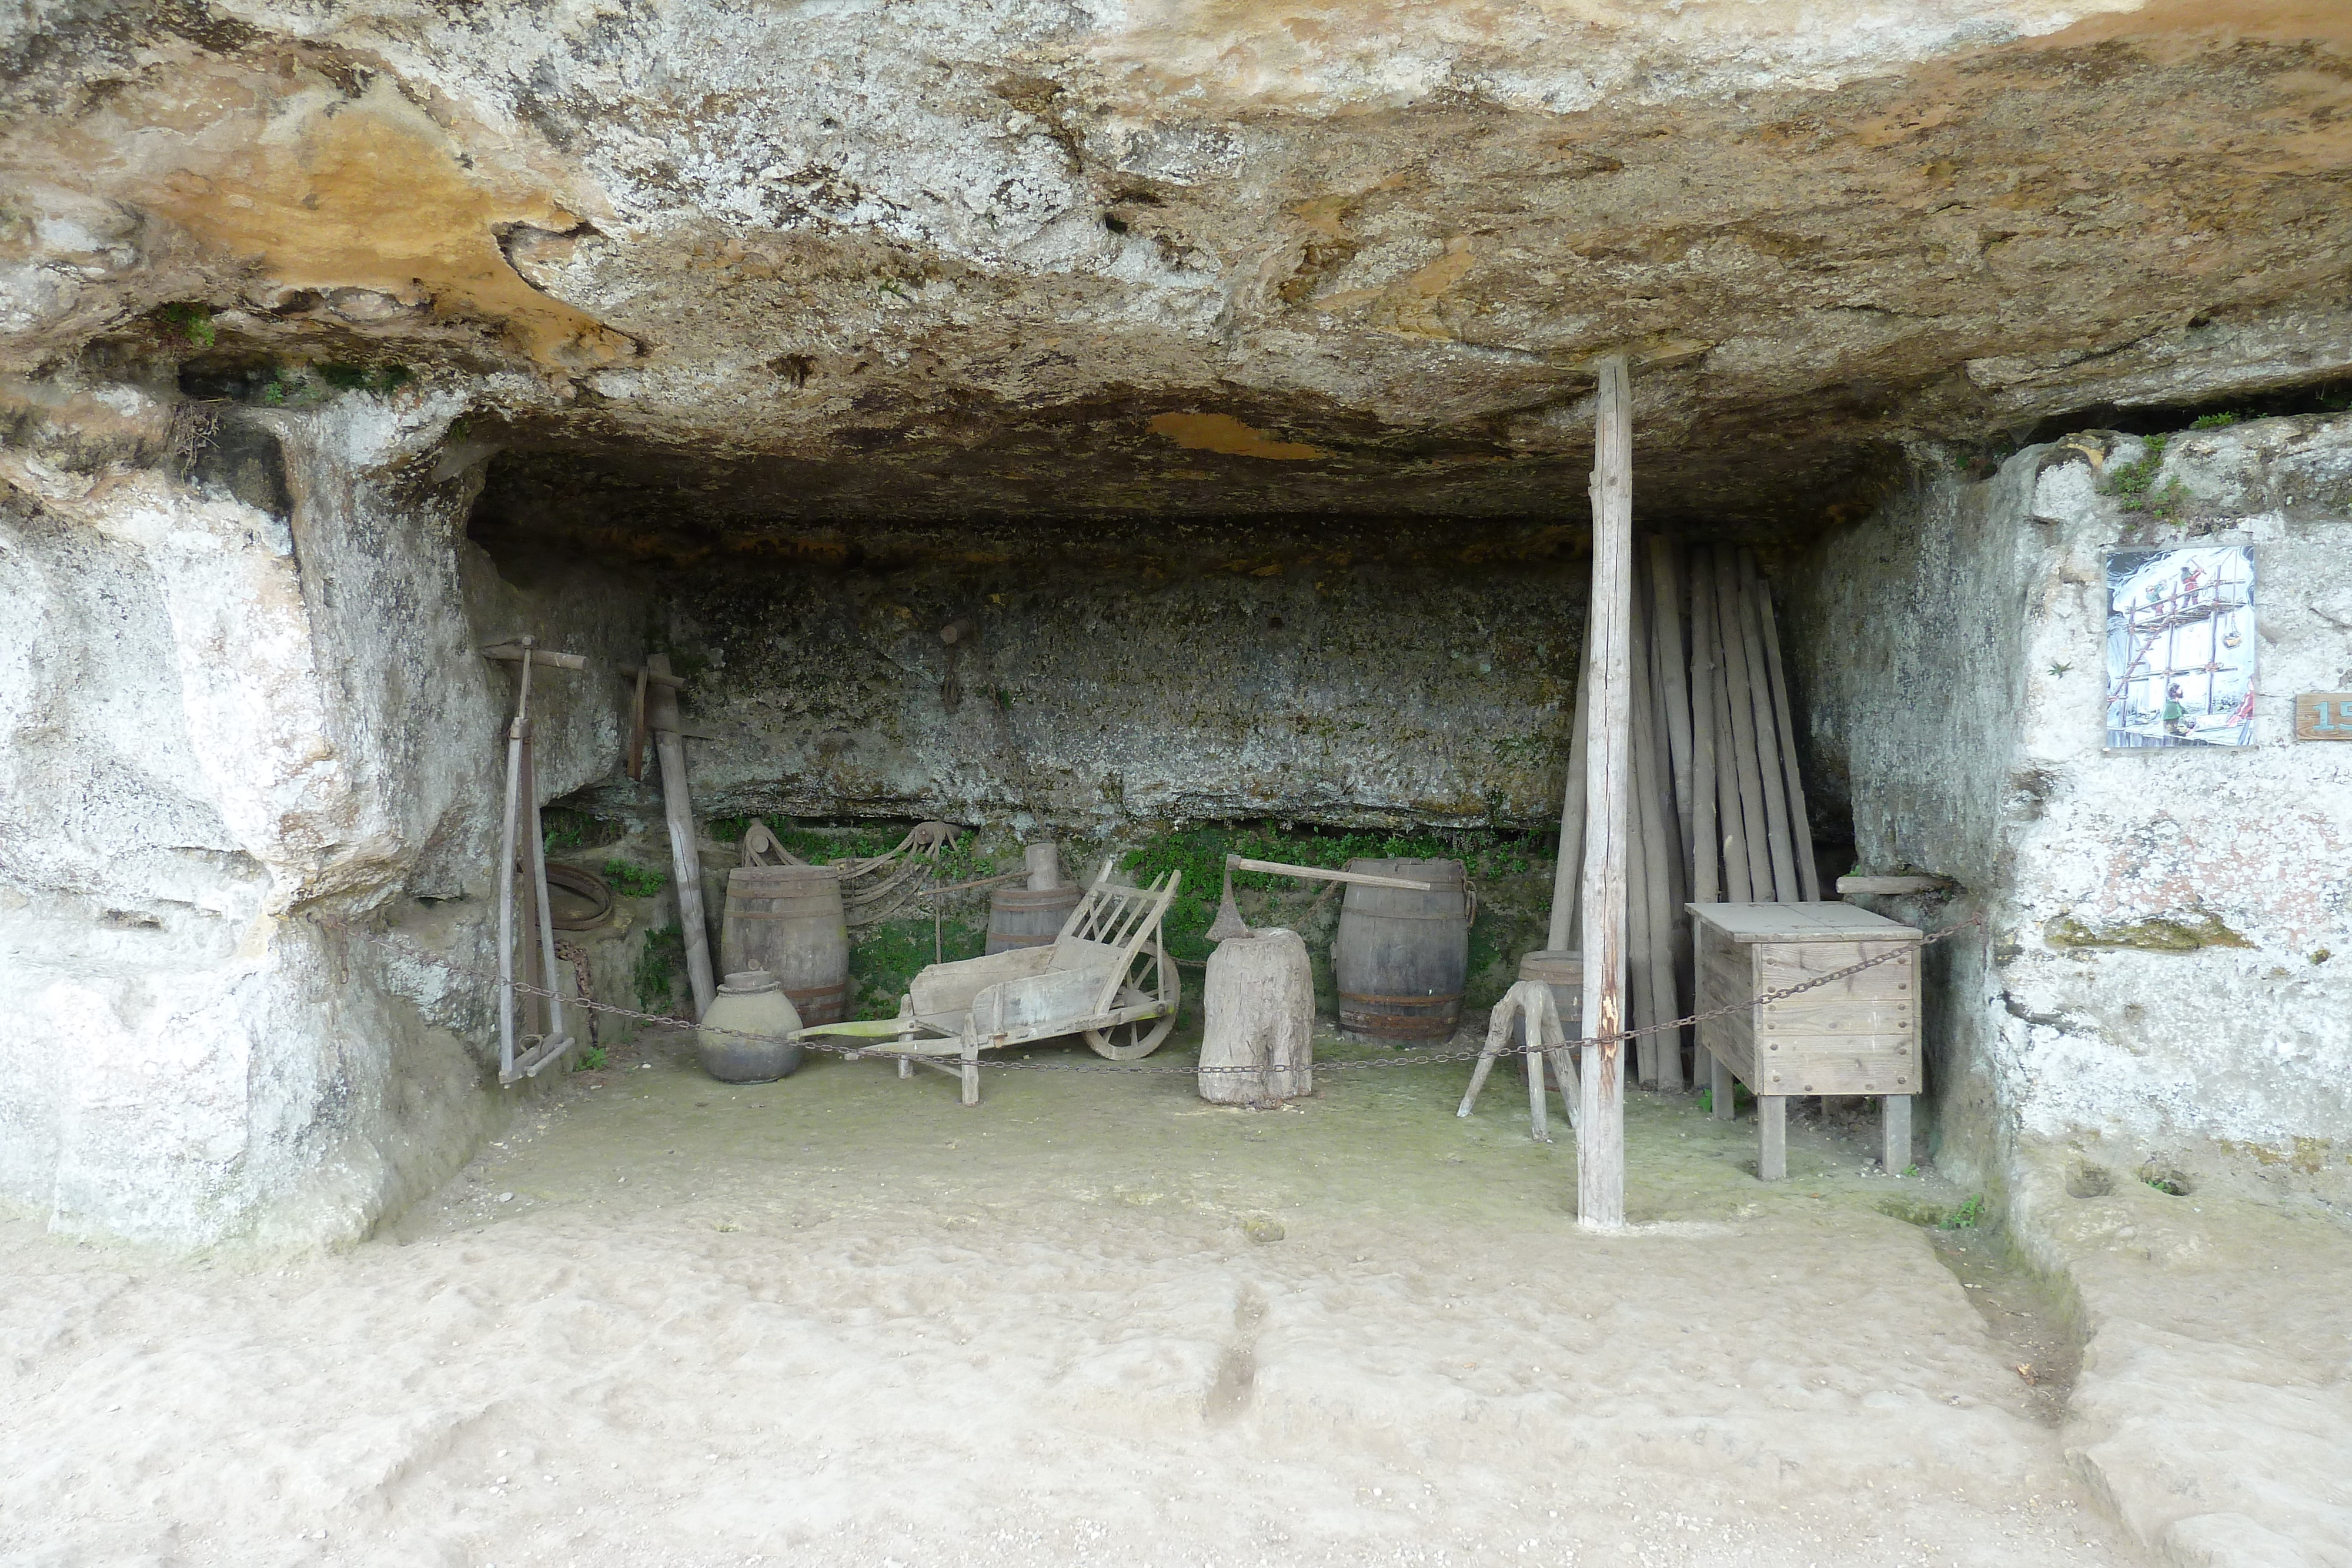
x: 884, y: 1052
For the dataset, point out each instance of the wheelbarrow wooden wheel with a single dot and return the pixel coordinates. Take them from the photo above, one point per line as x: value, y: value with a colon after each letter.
x: 1128, y: 1041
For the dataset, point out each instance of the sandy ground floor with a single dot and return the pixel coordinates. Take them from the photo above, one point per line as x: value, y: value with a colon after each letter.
x: 843, y: 1318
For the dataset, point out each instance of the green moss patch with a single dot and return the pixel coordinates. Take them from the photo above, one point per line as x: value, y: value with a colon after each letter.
x: 2159, y: 933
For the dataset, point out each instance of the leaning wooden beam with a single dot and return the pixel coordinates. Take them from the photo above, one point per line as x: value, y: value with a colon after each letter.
x: 1779, y: 834
x: 1672, y: 943
x: 1731, y: 624
x: 1809, y: 873
x: 1641, y: 1006
x: 1568, y: 872
x: 1600, y: 1126
x: 1706, y: 844
x: 677, y: 808
x: 1652, y: 884
x: 1674, y: 687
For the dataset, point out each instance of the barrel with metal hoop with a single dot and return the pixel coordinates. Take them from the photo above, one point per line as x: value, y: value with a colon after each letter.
x: 1401, y: 957
x: 1026, y: 917
x: 788, y: 920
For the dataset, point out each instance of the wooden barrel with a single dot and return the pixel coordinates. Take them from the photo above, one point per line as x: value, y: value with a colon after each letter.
x: 1563, y: 972
x: 1401, y: 957
x: 787, y: 920
x: 1026, y: 917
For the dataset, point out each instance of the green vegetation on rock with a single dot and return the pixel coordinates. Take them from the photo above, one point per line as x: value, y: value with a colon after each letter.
x: 633, y: 881
x: 2159, y: 933
x: 660, y: 966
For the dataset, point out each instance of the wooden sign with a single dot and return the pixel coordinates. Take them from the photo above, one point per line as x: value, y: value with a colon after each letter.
x: 2323, y: 716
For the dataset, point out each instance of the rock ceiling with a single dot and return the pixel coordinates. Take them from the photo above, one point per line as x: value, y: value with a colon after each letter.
x: 777, y: 269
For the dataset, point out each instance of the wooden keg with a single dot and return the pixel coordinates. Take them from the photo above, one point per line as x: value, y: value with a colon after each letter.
x: 1401, y: 957
x: 1027, y: 918
x: 788, y: 920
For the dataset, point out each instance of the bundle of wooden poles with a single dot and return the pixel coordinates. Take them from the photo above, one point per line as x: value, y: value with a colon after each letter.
x: 1717, y: 811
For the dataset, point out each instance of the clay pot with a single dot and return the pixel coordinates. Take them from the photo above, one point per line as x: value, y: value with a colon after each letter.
x: 752, y: 1003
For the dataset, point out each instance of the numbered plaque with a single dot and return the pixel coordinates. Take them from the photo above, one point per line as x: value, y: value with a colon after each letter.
x: 2324, y: 715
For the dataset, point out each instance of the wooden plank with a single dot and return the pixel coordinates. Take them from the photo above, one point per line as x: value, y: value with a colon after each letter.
x: 685, y: 858
x: 1057, y: 1000
x: 1836, y: 1065
x: 1741, y: 703
x: 1601, y: 1127
x: 1829, y: 922
x: 1809, y: 871
x: 1779, y: 832
x: 1772, y: 1137
x: 1706, y: 847
x: 1660, y: 1055
x: 1895, y: 1133
x: 1568, y: 872
x: 1724, y: 977
x: 1672, y: 680
x: 1798, y: 963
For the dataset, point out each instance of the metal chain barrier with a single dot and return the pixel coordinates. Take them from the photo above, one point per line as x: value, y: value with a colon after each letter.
x: 884, y: 1052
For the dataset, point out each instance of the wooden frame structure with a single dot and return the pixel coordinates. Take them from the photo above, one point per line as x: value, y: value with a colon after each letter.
x: 1105, y: 977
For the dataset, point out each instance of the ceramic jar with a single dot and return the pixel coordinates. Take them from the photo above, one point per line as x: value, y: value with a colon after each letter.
x: 752, y: 1003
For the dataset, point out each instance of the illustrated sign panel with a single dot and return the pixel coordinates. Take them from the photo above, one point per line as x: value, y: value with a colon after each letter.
x: 2180, y: 646
x: 2324, y: 715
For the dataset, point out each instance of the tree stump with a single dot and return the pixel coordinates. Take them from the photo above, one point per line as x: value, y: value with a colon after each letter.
x: 1260, y: 1017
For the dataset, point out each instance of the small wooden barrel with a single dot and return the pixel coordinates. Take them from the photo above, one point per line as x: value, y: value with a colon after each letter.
x: 1024, y: 917
x: 787, y: 920
x: 1401, y: 957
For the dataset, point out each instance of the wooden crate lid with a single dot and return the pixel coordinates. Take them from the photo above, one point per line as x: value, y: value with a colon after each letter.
x: 1801, y: 923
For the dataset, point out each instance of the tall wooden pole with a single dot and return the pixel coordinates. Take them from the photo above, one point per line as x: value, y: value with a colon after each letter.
x: 1568, y: 873
x: 677, y: 808
x: 1601, y: 1130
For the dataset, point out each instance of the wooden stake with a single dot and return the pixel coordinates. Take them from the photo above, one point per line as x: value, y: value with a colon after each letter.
x: 1568, y: 874
x: 1743, y: 730
x: 1706, y: 848
x: 1673, y: 689
x: 1660, y: 1055
x: 1730, y: 823
x: 1671, y: 945
x: 677, y: 808
x: 1601, y: 1127
x: 1808, y: 871
x: 1782, y: 841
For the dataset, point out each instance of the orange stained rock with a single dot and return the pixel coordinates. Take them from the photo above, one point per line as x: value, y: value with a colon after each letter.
x: 1224, y: 432
x: 324, y: 191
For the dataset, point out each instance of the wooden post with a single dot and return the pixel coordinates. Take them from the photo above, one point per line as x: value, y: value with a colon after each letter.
x: 1808, y: 871
x: 1670, y: 941
x: 1779, y: 835
x: 1568, y: 874
x: 1895, y: 1133
x: 1600, y: 1126
x: 1744, y: 753
x: 1650, y: 881
x: 1674, y: 684
x: 1772, y: 1124
x: 1706, y: 846
x: 677, y: 808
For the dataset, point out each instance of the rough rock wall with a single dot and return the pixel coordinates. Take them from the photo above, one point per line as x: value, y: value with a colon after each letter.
x: 1197, y: 257
x: 1952, y: 652
x: 1091, y: 700
x: 215, y: 718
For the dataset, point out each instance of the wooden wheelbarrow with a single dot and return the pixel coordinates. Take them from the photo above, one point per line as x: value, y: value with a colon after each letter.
x: 1107, y: 977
